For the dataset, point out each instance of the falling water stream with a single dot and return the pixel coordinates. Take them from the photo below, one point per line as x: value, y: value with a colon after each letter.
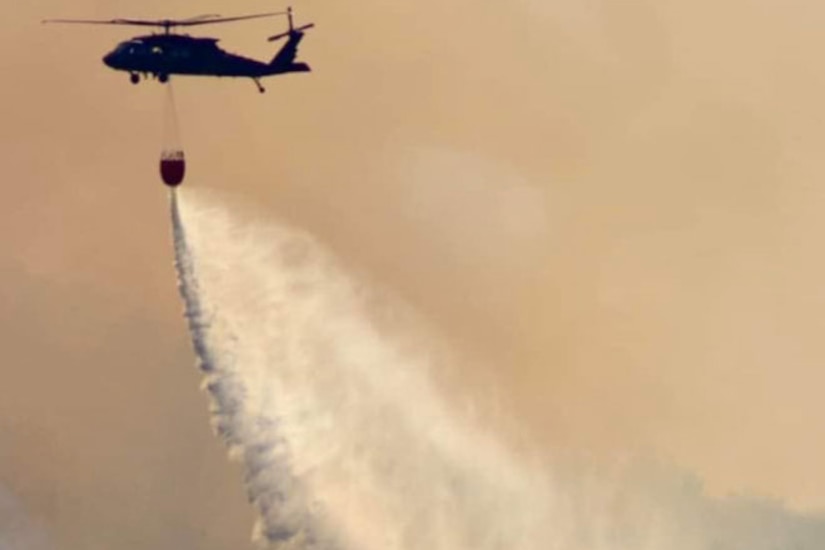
x: 347, y: 444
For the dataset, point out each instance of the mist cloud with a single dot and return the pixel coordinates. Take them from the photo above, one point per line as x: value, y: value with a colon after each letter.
x: 347, y: 443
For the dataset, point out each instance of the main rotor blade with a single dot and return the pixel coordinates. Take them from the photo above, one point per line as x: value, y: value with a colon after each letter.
x: 107, y: 22
x: 189, y: 23
x: 201, y: 17
x: 166, y: 23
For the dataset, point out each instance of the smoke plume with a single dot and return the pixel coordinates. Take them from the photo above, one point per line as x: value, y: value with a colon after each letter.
x: 17, y: 530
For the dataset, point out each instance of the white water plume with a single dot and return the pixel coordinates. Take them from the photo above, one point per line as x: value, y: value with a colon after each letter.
x: 341, y: 431
x: 347, y: 444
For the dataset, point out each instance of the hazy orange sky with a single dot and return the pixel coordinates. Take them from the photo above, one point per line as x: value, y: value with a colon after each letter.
x: 616, y: 205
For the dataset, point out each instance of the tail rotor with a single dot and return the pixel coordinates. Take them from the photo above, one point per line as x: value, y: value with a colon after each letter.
x: 293, y: 30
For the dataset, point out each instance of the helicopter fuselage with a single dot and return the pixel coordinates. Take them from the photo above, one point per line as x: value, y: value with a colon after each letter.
x: 162, y: 55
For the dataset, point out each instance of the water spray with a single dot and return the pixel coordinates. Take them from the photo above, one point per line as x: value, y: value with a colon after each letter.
x: 347, y: 444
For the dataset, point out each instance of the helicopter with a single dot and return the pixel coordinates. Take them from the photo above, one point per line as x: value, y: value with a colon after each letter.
x: 166, y: 54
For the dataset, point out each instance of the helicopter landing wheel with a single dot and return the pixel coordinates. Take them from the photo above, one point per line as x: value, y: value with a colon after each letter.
x: 134, y: 78
x: 261, y: 89
x: 163, y: 78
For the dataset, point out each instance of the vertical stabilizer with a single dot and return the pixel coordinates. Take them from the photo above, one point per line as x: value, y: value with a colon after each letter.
x: 285, y: 59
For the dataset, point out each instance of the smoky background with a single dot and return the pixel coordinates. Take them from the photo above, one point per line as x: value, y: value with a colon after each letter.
x: 648, y: 173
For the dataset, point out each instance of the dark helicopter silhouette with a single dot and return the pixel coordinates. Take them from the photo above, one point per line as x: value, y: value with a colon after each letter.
x: 163, y: 55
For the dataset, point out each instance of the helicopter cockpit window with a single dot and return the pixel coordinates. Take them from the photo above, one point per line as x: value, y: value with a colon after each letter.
x: 130, y: 48
x: 157, y: 50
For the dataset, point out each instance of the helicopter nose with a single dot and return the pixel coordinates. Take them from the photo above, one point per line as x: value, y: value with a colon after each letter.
x: 109, y: 59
